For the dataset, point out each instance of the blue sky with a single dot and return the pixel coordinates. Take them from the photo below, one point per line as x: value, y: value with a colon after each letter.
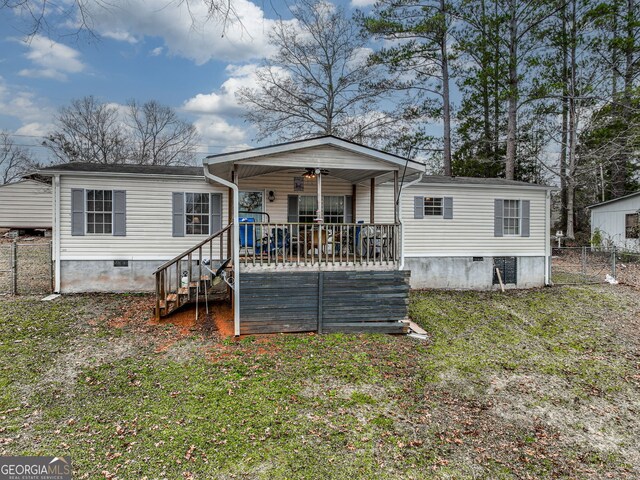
x: 143, y: 50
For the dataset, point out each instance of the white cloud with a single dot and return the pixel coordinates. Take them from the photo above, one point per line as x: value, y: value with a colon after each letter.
x: 51, y: 59
x: 215, y: 131
x: 156, y: 51
x: 24, y: 105
x: 35, y: 129
x: 223, y: 101
x: 184, y: 28
x: 362, y: 3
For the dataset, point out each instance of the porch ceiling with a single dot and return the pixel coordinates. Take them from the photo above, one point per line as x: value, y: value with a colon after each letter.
x: 353, y: 176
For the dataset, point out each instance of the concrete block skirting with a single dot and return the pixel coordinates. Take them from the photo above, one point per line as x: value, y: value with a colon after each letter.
x: 79, y: 276
x: 466, y: 274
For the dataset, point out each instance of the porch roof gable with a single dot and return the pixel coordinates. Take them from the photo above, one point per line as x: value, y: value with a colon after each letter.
x: 365, y: 162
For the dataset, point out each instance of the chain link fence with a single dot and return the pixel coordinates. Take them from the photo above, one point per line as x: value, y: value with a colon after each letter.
x: 26, y: 268
x: 585, y: 265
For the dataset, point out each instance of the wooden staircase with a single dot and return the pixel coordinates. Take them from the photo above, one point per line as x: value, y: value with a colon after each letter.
x: 185, y: 279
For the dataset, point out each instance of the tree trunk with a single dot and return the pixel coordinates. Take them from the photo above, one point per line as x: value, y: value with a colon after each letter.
x: 565, y: 113
x: 446, y: 105
x: 572, y: 126
x: 619, y: 177
x: 486, y: 113
x: 512, y: 109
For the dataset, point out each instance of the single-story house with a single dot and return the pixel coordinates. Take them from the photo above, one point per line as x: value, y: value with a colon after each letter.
x: 615, y: 222
x: 26, y: 205
x: 322, y: 234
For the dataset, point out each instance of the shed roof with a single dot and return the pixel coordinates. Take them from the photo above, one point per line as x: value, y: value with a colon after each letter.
x: 631, y: 195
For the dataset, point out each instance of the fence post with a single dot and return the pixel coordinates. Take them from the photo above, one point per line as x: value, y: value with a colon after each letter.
x: 584, y: 261
x: 613, y: 262
x: 14, y: 268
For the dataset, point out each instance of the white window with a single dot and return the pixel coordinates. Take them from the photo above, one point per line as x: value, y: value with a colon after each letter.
x: 333, y: 207
x: 511, y: 217
x: 99, y: 211
x: 433, y: 206
x: 196, y: 213
x: 251, y: 202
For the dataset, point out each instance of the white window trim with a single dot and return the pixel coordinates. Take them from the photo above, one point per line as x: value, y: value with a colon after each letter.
x: 504, y: 217
x: 424, y: 207
x: 186, y: 233
x: 86, y: 212
x: 264, y: 199
x: 344, y: 199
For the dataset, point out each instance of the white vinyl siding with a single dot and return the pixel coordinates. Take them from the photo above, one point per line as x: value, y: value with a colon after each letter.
x: 26, y: 204
x: 321, y: 157
x: 282, y: 185
x: 470, y: 232
x: 149, y: 218
x: 610, y: 219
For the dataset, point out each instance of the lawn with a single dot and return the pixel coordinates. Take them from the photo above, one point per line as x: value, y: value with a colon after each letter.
x: 526, y: 384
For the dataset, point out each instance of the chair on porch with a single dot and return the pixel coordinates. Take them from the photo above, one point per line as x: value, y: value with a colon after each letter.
x: 275, y: 243
x: 246, y: 233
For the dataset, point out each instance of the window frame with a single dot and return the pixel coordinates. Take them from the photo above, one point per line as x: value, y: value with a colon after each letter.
x: 207, y: 215
x: 264, y: 207
x: 88, y: 212
x: 628, y: 229
x: 325, y: 215
x: 432, y: 213
x: 505, y: 218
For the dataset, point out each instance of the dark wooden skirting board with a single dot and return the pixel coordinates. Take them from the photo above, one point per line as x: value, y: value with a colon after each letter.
x: 343, y: 301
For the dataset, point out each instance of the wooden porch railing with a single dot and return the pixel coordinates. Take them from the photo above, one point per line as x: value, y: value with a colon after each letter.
x: 268, y: 244
x: 175, y: 283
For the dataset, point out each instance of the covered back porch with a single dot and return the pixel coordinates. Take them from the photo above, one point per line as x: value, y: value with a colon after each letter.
x: 314, y: 204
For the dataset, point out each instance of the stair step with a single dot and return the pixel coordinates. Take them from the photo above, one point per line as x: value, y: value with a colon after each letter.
x: 183, y: 291
x: 205, y: 278
x: 172, y: 297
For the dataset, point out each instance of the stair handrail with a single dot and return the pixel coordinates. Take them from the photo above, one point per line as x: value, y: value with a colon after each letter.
x: 192, y: 249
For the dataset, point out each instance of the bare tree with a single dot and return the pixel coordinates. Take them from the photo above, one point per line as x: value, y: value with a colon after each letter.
x: 319, y: 82
x: 89, y: 131
x: 159, y: 136
x: 14, y: 160
x: 95, y: 132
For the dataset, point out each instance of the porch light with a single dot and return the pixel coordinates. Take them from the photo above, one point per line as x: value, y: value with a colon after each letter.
x: 272, y: 195
x: 309, y: 174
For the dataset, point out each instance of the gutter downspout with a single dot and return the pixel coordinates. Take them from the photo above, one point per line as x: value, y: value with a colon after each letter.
x: 547, y: 238
x: 56, y: 231
x: 417, y: 180
x: 236, y: 246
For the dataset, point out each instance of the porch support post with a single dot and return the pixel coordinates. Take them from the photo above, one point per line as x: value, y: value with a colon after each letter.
x: 372, y: 201
x: 395, y: 196
x: 320, y: 212
x: 353, y: 202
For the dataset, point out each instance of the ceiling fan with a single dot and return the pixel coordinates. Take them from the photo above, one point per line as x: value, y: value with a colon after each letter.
x: 311, y: 173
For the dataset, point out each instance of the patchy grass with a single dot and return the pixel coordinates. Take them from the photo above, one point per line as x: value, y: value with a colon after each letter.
x: 531, y: 384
